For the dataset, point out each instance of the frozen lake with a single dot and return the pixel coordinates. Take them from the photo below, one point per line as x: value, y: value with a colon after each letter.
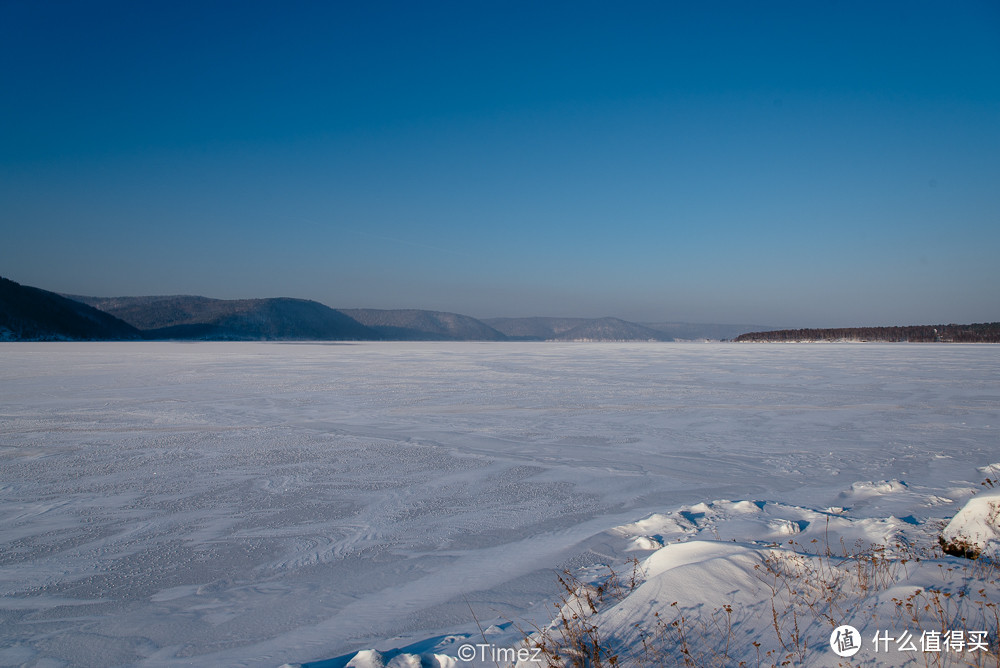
x: 252, y: 504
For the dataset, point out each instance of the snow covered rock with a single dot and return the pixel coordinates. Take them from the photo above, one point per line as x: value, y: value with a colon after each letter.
x: 975, y: 529
x: 367, y: 658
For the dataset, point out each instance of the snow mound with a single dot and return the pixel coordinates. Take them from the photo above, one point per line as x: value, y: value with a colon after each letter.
x: 990, y: 469
x: 782, y: 526
x: 367, y: 658
x: 977, y: 524
x: 646, y: 543
x: 742, y: 521
x: 370, y: 658
x: 861, y: 490
x: 685, y: 554
x: 659, y: 523
x: 722, y: 589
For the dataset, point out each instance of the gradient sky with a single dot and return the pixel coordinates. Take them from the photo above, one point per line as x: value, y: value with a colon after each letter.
x: 782, y: 163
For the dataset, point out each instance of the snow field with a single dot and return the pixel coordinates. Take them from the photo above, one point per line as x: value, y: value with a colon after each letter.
x: 260, y: 504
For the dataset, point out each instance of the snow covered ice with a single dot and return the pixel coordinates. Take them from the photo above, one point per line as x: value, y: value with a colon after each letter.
x: 254, y: 504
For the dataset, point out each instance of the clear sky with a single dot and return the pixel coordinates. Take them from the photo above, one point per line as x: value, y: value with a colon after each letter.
x: 784, y: 163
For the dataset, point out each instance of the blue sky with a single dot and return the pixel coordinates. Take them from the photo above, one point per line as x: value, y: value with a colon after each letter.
x: 794, y: 164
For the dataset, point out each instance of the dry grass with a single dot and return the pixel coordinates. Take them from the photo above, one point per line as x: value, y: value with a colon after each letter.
x: 572, y: 639
x: 810, y: 594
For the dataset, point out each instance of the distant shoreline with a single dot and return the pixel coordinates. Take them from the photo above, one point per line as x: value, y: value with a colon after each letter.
x: 988, y: 332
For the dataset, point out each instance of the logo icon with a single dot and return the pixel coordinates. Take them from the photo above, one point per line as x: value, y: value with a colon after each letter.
x: 845, y: 641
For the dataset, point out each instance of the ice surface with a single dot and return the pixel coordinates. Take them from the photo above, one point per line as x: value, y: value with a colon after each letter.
x: 257, y: 503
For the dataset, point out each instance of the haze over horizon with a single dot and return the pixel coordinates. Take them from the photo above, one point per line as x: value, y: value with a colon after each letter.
x: 787, y: 164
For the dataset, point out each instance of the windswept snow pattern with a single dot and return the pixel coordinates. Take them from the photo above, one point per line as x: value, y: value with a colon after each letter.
x: 258, y: 504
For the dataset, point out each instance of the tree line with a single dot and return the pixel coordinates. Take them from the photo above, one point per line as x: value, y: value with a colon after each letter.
x: 987, y: 332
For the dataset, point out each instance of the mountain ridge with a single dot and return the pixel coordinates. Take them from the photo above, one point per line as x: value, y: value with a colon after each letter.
x: 263, y: 319
x: 33, y: 314
x: 28, y: 313
x: 537, y: 328
x: 422, y: 325
x: 612, y: 329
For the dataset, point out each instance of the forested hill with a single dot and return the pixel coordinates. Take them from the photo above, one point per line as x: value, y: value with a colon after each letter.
x: 32, y: 314
x: 987, y: 332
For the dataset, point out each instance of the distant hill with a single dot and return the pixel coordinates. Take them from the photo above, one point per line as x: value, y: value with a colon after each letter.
x: 189, y: 317
x: 32, y: 314
x: 418, y: 325
x: 988, y: 332
x: 534, y: 329
x: 611, y: 329
x: 685, y: 331
x: 28, y: 313
x: 548, y: 329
